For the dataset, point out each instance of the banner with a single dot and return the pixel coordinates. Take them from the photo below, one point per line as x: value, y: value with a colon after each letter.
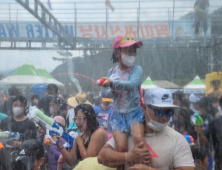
x: 94, y: 30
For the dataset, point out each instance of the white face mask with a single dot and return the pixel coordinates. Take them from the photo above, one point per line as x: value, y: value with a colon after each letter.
x: 52, y: 110
x: 105, y: 107
x: 156, y: 125
x: 127, y: 60
x: 105, y: 125
x: 18, y: 111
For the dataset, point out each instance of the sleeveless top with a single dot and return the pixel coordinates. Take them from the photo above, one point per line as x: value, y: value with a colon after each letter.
x: 85, y: 145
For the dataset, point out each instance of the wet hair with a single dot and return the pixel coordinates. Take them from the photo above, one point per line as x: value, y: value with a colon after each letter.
x: 178, y: 95
x: 199, y: 152
x: 204, y: 102
x: 13, y: 91
x: 215, y: 82
x: 35, y: 96
x: 21, y: 99
x: 186, y: 103
x: 54, y: 99
x: 115, y: 55
x: 63, y: 104
x: 52, y: 86
x: 183, y: 118
x: 92, y: 122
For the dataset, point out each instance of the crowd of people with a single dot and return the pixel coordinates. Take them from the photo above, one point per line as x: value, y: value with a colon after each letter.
x: 125, y: 128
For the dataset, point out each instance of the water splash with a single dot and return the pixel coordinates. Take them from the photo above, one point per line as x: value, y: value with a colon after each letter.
x: 71, y: 76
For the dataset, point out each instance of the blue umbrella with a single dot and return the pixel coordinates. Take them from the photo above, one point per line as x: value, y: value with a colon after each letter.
x: 39, y: 89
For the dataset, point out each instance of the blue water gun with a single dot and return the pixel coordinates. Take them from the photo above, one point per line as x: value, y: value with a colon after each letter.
x: 50, y: 125
x: 7, y: 137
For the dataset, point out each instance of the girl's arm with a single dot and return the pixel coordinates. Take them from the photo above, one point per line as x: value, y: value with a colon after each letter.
x: 70, y: 157
x: 98, y: 139
x: 134, y: 81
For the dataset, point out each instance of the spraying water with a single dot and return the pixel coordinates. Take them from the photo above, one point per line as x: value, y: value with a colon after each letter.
x: 71, y: 76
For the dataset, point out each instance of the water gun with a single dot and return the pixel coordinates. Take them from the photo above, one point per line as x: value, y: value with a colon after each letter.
x: 100, y: 81
x: 1, y: 146
x: 199, y: 119
x: 50, y: 125
x: 7, y: 137
x: 189, y: 139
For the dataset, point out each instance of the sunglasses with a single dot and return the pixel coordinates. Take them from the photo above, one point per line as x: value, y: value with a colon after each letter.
x: 79, y: 119
x: 160, y: 112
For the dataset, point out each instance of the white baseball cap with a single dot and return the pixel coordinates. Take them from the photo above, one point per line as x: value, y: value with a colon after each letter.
x: 159, y: 97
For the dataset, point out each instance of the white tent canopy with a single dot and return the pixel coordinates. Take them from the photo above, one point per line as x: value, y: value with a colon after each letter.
x: 41, y: 71
x: 195, y: 86
x: 27, y: 74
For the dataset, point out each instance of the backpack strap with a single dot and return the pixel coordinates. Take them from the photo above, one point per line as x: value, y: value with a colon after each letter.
x: 112, y: 70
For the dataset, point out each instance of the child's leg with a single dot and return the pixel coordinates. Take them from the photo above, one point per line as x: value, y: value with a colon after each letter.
x: 120, y: 141
x: 121, y: 144
x: 137, y: 131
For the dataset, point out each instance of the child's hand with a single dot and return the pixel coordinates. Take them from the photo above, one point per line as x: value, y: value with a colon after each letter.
x: 15, y: 144
x: 139, y: 155
x: 108, y: 82
x: 198, y: 129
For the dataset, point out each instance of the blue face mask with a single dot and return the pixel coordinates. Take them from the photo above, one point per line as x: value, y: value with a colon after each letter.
x: 78, y: 131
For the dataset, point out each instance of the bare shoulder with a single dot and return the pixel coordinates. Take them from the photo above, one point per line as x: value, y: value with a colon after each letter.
x: 99, y: 133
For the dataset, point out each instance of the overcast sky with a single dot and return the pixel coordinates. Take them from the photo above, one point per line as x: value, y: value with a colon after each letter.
x: 153, y: 10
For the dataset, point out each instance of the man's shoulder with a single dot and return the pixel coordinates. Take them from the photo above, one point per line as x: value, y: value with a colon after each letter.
x: 173, y: 134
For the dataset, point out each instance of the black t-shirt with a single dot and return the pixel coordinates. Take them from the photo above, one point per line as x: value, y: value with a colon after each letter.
x: 213, y: 111
x: 214, y: 135
x: 202, y: 4
x: 26, y: 127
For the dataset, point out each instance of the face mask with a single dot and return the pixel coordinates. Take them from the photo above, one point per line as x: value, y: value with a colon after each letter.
x: 105, y: 125
x: 52, y: 110
x: 127, y: 60
x: 105, y: 107
x: 18, y: 111
x: 156, y: 125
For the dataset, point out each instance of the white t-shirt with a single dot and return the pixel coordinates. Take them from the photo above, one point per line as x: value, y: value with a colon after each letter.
x: 168, y: 149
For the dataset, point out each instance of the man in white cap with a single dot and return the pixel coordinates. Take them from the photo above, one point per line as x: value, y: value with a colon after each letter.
x: 167, y: 149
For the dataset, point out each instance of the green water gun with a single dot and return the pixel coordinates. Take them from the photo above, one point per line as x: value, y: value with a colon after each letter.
x: 199, y: 120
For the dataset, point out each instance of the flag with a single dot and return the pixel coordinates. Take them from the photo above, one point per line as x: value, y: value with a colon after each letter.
x: 109, y: 5
x: 49, y: 4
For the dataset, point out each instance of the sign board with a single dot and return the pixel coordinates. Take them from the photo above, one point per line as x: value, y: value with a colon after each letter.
x: 98, y: 30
